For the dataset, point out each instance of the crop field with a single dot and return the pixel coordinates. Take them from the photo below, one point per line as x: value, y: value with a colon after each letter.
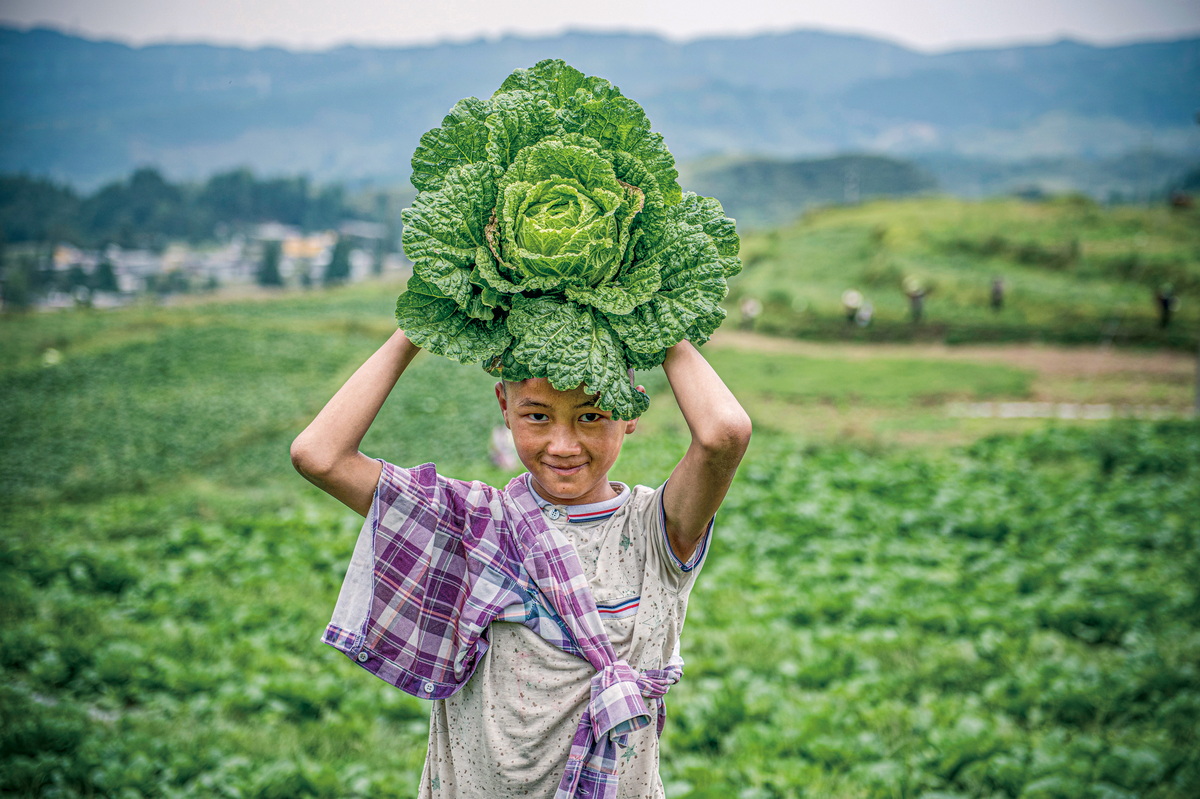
x: 1073, y: 272
x: 899, y: 602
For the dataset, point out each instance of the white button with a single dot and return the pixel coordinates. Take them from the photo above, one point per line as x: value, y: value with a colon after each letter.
x: 362, y: 657
x: 428, y: 687
x: 555, y: 513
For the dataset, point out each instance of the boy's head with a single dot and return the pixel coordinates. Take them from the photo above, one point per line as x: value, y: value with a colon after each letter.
x: 567, y: 443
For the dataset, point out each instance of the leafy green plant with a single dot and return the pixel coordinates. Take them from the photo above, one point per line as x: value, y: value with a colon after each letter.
x: 550, y: 238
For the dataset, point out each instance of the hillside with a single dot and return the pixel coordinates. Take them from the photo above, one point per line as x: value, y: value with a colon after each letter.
x: 1072, y: 272
x: 87, y: 111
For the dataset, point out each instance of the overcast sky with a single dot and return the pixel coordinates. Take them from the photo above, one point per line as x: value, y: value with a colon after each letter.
x: 923, y: 24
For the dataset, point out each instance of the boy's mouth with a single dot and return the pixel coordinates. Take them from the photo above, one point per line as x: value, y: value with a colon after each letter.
x: 565, y: 471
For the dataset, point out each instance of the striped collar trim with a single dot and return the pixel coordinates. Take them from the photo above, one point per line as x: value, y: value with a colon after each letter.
x: 592, y: 512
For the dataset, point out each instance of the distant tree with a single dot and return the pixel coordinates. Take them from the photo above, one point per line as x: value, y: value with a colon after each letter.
x: 76, y: 277
x: 304, y: 274
x: 237, y: 198
x: 104, y: 278
x: 146, y: 211
x: 19, y: 284
x: 229, y: 196
x: 1189, y: 183
x: 43, y: 278
x: 338, y: 269
x: 171, y: 282
x: 268, y: 267
x: 377, y: 261
x: 326, y: 209
x: 32, y: 209
x: 284, y: 200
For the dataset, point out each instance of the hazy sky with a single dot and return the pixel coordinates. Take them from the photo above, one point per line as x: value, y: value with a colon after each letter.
x: 924, y: 24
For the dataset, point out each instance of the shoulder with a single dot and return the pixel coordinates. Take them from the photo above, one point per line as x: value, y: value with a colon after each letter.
x: 408, y: 487
x: 642, y: 498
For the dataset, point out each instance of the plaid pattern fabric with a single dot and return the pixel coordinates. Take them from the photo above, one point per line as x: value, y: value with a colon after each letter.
x: 450, y: 557
x: 592, y: 764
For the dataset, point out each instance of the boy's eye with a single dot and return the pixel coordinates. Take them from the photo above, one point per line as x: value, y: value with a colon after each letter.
x: 591, y: 417
x: 537, y: 417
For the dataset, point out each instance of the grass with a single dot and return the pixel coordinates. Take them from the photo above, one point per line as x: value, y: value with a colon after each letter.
x: 886, y: 382
x: 1074, y: 273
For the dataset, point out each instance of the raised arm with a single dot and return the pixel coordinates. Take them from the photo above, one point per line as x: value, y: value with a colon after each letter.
x: 326, y: 452
x: 720, y: 434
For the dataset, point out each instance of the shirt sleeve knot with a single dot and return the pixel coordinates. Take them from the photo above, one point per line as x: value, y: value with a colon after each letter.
x: 617, y: 707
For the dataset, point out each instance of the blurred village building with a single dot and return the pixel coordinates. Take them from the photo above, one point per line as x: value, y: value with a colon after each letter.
x: 115, y: 276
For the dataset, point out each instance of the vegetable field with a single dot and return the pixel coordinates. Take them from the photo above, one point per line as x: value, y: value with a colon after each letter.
x: 1071, y: 271
x: 1013, y: 615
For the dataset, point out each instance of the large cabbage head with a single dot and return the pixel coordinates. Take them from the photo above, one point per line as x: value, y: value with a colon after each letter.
x: 550, y: 238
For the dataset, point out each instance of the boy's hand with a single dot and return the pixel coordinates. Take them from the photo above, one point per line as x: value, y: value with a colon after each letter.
x: 720, y: 432
x: 326, y: 453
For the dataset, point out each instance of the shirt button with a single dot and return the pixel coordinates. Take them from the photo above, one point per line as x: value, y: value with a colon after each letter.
x: 428, y: 687
x: 362, y: 657
x: 555, y: 513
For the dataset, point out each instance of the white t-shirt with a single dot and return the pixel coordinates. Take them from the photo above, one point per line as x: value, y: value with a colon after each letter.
x: 508, y: 731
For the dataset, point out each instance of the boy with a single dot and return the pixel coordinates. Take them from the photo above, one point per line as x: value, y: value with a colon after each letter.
x: 523, y: 705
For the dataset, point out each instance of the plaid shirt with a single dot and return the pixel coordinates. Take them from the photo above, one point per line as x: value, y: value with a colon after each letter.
x: 450, y: 557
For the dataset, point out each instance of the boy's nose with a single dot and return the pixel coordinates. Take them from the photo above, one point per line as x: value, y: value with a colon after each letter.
x: 563, y: 442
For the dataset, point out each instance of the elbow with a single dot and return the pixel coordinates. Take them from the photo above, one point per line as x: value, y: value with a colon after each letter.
x: 729, y: 437
x: 308, y: 460
x: 739, y: 433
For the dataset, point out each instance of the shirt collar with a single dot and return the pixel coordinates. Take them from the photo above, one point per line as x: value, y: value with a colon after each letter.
x: 592, y: 512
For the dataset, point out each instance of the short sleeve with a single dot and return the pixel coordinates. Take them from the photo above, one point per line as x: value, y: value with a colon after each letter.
x: 675, y: 571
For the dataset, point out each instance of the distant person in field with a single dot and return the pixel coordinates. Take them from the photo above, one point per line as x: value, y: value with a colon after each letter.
x: 997, y: 298
x: 852, y: 301
x: 501, y: 450
x: 750, y: 309
x: 916, y: 293
x: 1165, y: 300
x: 456, y: 589
x: 865, y: 314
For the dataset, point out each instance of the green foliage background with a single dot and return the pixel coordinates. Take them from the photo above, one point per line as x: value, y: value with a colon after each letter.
x: 147, y: 210
x: 1015, y: 618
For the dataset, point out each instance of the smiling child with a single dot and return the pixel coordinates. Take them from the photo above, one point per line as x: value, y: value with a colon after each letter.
x: 543, y: 618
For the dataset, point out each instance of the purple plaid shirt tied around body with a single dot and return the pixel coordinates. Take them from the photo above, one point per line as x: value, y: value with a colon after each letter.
x: 447, y: 559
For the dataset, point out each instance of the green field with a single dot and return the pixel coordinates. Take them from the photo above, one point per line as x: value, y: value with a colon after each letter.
x: 1074, y: 273
x: 1010, y: 609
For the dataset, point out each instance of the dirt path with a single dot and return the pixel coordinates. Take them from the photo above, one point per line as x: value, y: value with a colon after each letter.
x: 1045, y: 360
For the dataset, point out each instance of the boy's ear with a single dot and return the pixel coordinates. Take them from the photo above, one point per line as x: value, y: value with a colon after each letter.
x: 503, y: 399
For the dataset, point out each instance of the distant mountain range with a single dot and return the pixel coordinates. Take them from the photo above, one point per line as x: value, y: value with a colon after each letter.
x: 86, y: 112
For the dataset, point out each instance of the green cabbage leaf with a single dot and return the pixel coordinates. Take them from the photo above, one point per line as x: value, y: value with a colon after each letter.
x: 550, y: 238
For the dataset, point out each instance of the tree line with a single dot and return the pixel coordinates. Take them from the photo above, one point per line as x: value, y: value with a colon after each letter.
x: 147, y: 211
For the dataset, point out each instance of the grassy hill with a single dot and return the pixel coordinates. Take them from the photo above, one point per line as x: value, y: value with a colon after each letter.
x: 1073, y: 272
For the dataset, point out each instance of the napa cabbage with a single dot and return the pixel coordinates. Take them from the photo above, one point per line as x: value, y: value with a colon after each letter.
x: 550, y: 238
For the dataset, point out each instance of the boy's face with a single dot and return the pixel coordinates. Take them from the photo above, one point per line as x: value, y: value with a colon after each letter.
x: 564, y: 440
